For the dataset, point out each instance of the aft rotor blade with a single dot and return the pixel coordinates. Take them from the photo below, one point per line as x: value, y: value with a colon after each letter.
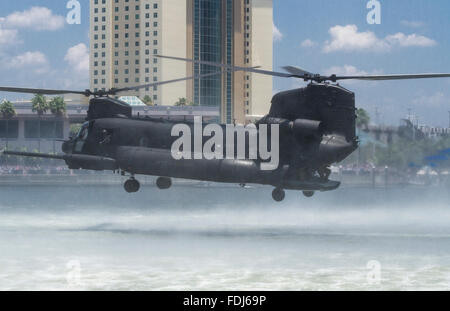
x: 233, y: 68
x: 297, y: 71
x: 40, y: 91
x: 393, y: 77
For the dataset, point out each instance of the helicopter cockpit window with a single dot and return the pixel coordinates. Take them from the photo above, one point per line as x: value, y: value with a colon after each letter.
x: 83, y: 133
x: 81, y: 137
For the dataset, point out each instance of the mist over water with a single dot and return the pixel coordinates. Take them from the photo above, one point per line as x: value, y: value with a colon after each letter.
x: 223, y: 238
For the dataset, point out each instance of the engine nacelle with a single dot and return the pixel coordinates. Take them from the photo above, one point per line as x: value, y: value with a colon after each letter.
x: 307, y: 128
x: 301, y: 128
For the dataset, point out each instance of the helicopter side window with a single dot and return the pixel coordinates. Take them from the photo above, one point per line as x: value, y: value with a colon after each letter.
x: 106, y: 136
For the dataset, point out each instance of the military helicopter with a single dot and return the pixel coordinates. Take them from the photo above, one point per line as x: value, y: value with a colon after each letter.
x: 316, y: 129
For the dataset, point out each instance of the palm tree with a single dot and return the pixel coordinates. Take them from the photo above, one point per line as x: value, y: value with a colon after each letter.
x: 181, y: 102
x: 362, y: 121
x: 7, y: 109
x: 39, y: 105
x: 58, y: 106
x: 8, y: 112
x: 147, y: 100
x: 362, y: 118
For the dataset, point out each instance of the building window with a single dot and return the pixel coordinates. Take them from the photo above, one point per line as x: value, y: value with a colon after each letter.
x: 43, y: 129
x: 9, y: 129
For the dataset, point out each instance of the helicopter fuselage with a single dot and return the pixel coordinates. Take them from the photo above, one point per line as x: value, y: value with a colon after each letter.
x: 316, y: 130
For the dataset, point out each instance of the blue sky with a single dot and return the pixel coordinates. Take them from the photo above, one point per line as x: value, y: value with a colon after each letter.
x: 324, y: 36
x: 386, y: 52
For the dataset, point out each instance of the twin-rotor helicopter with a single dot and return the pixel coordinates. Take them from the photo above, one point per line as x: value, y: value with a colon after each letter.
x: 316, y: 129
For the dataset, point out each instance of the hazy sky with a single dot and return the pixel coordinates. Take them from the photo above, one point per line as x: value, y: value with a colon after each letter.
x: 38, y: 49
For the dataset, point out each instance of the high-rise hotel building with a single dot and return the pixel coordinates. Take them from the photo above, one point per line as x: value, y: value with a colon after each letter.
x: 125, y: 34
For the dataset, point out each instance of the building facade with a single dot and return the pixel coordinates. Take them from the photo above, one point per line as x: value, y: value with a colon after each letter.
x: 125, y: 34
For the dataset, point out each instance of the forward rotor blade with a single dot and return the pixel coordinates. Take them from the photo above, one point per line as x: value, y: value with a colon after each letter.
x: 164, y: 82
x: 40, y: 91
x: 393, y: 77
x: 34, y: 155
x: 114, y: 91
x: 233, y: 68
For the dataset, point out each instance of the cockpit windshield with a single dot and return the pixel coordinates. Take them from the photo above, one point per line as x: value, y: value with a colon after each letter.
x: 84, y: 131
x: 81, y: 138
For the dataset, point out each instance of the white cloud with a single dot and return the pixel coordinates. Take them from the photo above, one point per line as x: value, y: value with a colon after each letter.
x: 349, y: 39
x: 78, y: 57
x: 348, y: 70
x: 37, y: 18
x: 32, y: 59
x: 308, y: 43
x: 76, y: 74
x: 403, y: 40
x: 28, y: 62
x: 412, y: 24
x: 277, y: 35
x: 8, y: 36
x: 436, y: 100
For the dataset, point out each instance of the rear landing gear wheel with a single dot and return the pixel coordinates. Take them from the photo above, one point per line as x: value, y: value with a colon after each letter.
x: 308, y: 194
x: 132, y: 185
x: 164, y: 183
x: 278, y: 194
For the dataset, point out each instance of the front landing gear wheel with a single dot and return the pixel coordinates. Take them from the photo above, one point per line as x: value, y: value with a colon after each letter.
x: 132, y: 185
x: 278, y: 194
x: 308, y: 194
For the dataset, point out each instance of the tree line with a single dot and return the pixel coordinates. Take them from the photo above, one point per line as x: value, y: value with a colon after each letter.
x: 407, y: 152
x: 39, y: 105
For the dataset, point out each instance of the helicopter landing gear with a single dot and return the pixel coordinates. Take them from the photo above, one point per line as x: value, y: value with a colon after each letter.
x: 278, y: 194
x: 132, y: 185
x: 164, y: 183
x: 324, y: 173
x: 308, y: 194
